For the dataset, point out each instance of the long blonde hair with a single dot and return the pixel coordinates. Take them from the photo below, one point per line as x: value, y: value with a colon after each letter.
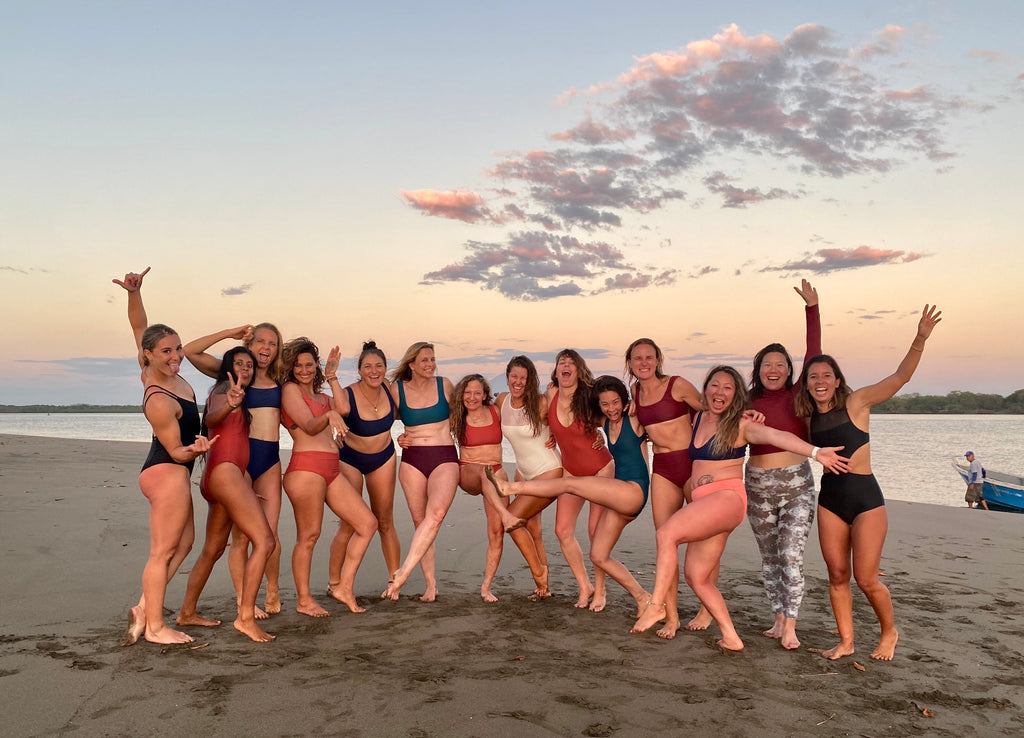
x: 275, y: 370
x: 402, y: 372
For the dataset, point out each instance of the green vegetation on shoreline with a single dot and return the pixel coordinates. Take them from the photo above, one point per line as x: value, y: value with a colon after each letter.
x: 955, y: 403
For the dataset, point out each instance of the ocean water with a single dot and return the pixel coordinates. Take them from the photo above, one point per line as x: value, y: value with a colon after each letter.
x: 911, y: 454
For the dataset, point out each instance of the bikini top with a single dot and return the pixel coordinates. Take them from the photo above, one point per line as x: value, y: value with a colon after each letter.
x: 667, y: 408
x: 369, y: 428
x: 704, y: 453
x: 188, y: 429
x: 423, y: 415
x: 314, y: 406
x: 263, y: 397
x: 484, y: 435
x: 835, y: 428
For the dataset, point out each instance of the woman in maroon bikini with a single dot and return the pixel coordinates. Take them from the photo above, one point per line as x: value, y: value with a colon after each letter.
x: 663, y: 406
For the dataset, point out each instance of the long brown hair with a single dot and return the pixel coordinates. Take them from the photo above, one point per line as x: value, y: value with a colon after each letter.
x: 295, y: 348
x: 580, y: 406
x: 403, y: 372
x: 805, y: 405
x: 457, y: 412
x: 531, y: 393
x: 728, y: 429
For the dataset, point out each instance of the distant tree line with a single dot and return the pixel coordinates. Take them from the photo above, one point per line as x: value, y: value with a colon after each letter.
x: 80, y: 408
x: 955, y: 403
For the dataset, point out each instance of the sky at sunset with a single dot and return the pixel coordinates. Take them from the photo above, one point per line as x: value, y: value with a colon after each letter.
x: 513, y: 179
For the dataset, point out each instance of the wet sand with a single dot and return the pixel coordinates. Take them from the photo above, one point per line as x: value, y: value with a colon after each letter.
x: 74, y: 539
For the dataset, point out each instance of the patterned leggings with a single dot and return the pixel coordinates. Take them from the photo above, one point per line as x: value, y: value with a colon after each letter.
x: 780, y: 508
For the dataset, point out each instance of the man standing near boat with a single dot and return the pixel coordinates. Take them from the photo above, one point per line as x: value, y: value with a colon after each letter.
x: 975, y: 480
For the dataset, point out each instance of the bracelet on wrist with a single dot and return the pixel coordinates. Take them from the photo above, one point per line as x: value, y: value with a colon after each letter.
x: 332, y: 378
x: 814, y: 452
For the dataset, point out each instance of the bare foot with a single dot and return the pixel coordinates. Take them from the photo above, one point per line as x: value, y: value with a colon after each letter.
x: 391, y: 592
x: 701, y: 620
x: 585, y: 595
x: 253, y: 631
x: 167, y: 636
x: 731, y: 644
x: 886, y: 646
x: 259, y: 614
x: 641, y: 603
x: 654, y: 612
x: 346, y: 598
x: 516, y: 525
x: 542, y: 583
x: 272, y: 605
x: 486, y: 595
x: 312, y: 609
x: 789, y: 640
x: 498, y: 484
x: 599, y: 602
x: 136, y: 626
x: 196, y: 619
x: 541, y: 593
x: 843, y: 649
x: 777, y: 629
x: 669, y: 629
x: 429, y: 595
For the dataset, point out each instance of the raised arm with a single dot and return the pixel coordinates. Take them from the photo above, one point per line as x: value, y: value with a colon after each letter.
x: 223, y: 401
x: 338, y: 393
x: 882, y: 391
x: 195, y: 351
x: 132, y: 283
x: 813, y: 318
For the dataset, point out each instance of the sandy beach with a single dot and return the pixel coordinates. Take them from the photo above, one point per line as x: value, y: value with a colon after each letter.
x: 74, y: 531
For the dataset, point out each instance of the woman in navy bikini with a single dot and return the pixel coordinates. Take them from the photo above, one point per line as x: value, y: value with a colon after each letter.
x: 717, y: 447
x: 170, y: 407
x: 851, y: 511
x: 429, y: 472
x: 368, y: 452
x: 263, y: 401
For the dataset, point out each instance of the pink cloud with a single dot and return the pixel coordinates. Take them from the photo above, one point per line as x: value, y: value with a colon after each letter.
x: 830, y: 260
x: 461, y: 205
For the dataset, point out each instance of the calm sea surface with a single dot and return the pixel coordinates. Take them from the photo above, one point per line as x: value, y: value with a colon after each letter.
x: 911, y: 454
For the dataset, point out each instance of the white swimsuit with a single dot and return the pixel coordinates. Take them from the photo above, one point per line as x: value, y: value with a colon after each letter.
x: 533, y: 457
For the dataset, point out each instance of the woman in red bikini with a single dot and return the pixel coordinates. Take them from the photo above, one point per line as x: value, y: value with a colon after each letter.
x: 663, y: 405
x: 227, y: 488
x: 314, y: 476
x: 583, y: 455
x: 476, y: 426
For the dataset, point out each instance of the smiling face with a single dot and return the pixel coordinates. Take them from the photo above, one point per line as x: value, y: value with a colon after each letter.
x: 611, y: 406
x: 643, y: 361
x: 566, y: 372
x: 473, y: 396
x: 774, y: 371
x: 166, y: 355
x: 719, y: 392
x: 264, y: 346
x: 304, y: 369
x: 822, y: 384
x: 424, y: 365
x: 372, y: 369
x: 242, y: 368
x: 517, y: 378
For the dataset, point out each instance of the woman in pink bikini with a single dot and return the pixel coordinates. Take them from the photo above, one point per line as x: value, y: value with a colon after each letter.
x: 314, y: 476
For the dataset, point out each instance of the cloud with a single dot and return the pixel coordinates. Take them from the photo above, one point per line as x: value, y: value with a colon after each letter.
x: 463, y: 205
x: 679, y: 120
x: 23, y: 270
x: 987, y: 55
x: 235, y: 291
x: 824, y: 261
x: 702, y: 271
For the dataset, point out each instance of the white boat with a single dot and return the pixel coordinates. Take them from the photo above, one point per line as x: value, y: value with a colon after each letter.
x: 1001, y: 491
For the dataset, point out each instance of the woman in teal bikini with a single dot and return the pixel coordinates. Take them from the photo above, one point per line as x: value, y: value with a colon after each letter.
x: 429, y: 472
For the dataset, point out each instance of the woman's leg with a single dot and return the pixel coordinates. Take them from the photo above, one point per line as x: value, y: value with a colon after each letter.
x: 567, y: 511
x: 795, y: 519
x: 218, y: 527
x: 307, y: 492
x: 834, y: 534
x: 666, y: 500
x: 868, y: 537
x: 347, y: 504
x: 268, y: 490
x: 167, y: 487
x: 380, y: 486
x: 609, y: 528
x: 763, y: 516
x: 495, y: 544
x: 429, y: 500
x: 700, y: 568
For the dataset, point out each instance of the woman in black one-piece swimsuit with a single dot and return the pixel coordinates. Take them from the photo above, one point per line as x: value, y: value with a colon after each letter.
x: 170, y: 407
x: 851, y: 511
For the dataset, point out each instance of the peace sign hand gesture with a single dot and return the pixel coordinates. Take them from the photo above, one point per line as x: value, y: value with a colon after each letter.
x: 235, y: 393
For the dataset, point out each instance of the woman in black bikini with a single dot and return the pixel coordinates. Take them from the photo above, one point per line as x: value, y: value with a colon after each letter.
x: 851, y: 512
x: 170, y: 407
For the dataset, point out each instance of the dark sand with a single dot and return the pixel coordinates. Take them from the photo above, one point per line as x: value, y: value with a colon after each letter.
x: 74, y: 532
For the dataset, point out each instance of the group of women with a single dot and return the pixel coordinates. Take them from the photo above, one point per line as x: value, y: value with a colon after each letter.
x: 701, y: 483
